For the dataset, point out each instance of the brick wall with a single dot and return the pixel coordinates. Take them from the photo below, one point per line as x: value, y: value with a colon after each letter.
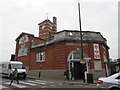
x: 57, y: 56
x: 26, y: 59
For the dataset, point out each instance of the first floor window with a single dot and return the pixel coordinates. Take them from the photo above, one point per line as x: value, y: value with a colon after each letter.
x: 40, y: 57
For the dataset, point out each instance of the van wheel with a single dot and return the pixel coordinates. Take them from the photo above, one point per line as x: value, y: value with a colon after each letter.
x: 24, y: 77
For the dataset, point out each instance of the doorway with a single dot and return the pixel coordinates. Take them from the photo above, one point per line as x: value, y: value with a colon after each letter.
x: 76, y: 67
x: 77, y: 70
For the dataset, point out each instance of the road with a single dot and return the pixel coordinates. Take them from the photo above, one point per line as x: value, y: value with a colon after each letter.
x: 36, y: 84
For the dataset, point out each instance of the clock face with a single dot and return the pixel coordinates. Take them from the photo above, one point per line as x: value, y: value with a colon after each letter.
x: 43, y: 27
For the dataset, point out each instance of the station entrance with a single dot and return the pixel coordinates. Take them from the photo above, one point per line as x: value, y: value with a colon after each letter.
x: 77, y: 68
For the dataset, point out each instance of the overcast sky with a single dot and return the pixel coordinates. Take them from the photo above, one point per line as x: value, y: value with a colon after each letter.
x: 17, y: 16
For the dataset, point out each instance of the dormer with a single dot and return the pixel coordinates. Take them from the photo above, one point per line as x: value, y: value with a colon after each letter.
x: 47, y: 29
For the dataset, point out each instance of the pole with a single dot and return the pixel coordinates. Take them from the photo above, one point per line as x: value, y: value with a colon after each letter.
x: 81, y: 38
x: 81, y: 42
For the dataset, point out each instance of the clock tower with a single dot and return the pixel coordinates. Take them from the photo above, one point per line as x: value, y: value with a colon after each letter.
x: 47, y: 29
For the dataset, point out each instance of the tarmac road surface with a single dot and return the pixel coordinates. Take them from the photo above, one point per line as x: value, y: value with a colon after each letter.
x: 34, y: 84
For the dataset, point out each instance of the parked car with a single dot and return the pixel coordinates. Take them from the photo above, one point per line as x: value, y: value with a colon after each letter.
x: 110, y: 83
x: 9, y: 66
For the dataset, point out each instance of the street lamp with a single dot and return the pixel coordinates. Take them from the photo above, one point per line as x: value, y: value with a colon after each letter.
x: 81, y: 37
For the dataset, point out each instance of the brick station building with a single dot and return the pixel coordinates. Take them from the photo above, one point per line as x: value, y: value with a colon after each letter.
x: 53, y: 52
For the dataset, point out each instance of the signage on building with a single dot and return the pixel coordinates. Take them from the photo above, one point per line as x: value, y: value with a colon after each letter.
x: 96, y: 51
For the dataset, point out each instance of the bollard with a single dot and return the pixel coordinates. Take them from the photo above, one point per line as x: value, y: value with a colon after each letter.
x: 39, y: 74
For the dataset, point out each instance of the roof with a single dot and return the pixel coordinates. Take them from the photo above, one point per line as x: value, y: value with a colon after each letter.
x: 47, y: 20
x: 23, y: 33
x: 74, y: 36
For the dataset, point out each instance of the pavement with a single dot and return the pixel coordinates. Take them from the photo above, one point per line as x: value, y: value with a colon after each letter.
x: 71, y: 82
x: 80, y: 82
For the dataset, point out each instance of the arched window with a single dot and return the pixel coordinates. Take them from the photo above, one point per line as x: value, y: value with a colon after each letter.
x: 76, y: 54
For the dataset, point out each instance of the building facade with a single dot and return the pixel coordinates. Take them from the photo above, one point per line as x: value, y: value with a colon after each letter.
x: 53, y: 52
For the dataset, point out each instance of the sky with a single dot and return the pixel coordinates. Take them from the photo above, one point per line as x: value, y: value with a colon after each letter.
x: 17, y: 16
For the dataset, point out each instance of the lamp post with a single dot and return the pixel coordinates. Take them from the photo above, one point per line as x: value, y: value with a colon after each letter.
x: 81, y: 37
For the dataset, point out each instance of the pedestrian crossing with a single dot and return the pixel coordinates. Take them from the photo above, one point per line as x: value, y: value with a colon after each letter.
x: 37, y: 82
x: 16, y: 85
x: 26, y: 84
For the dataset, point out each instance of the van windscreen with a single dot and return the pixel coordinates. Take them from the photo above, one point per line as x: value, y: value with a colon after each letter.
x: 18, y: 66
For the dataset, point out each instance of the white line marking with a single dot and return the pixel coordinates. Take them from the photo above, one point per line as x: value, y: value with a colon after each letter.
x: 51, y: 82
x: 41, y: 81
x: 16, y: 85
x: 52, y: 85
x: 43, y: 86
x: 36, y: 82
x: 60, y: 84
x: 44, y: 81
x: 27, y: 83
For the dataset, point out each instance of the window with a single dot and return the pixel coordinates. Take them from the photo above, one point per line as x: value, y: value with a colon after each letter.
x: 9, y: 66
x: 4, y: 66
x: 18, y: 66
x: 118, y: 77
x: 40, y: 57
x: 76, y: 55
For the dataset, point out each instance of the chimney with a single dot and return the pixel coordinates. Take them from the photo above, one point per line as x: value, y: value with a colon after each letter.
x: 54, y: 20
x: 55, y: 24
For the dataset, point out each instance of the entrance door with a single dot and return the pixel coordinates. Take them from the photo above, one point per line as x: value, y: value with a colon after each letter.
x: 76, y: 67
x: 78, y: 70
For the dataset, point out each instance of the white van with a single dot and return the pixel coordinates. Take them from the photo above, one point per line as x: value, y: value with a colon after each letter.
x: 8, y: 67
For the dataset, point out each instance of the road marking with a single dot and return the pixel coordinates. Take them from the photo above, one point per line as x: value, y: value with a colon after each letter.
x: 41, y: 81
x: 60, y: 84
x: 16, y: 85
x: 27, y: 83
x: 44, y: 81
x: 51, y: 82
x: 43, y: 86
x: 36, y: 82
x: 52, y: 85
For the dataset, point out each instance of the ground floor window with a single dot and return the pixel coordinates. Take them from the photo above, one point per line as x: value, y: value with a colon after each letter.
x: 40, y: 57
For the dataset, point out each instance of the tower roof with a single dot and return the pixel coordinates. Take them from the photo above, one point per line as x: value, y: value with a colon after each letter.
x: 45, y: 21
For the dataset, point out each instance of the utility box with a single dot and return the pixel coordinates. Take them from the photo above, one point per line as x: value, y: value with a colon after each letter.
x: 89, y: 78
